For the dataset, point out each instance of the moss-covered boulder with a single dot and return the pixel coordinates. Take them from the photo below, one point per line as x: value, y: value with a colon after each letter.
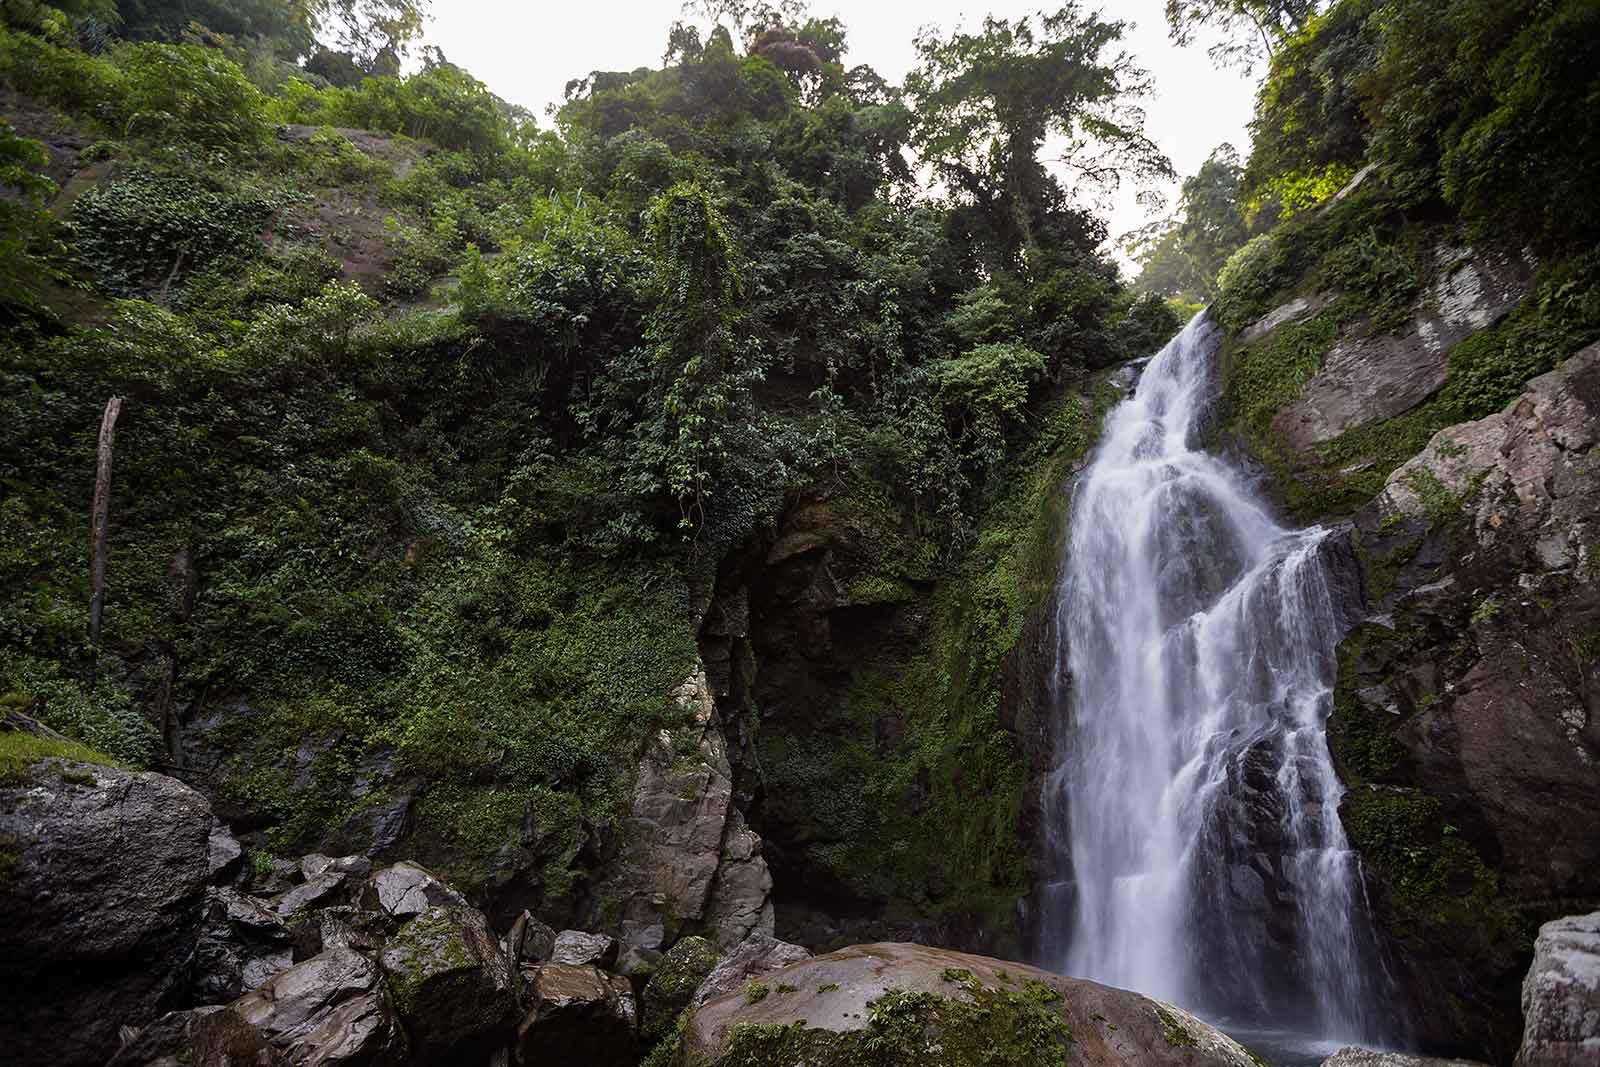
x: 673, y: 984
x: 890, y: 1004
x: 451, y: 984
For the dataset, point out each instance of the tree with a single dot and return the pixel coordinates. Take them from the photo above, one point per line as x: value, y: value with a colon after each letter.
x: 987, y: 103
x: 1251, y: 29
x: 1213, y: 225
x: 378, y: 34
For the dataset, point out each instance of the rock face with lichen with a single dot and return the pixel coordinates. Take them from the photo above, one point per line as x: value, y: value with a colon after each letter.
x: 900, y: 1003
x: 1466, y: 719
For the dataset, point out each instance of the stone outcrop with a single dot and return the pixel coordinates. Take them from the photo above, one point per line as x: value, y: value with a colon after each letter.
x: 1467, y: 712
x: 1367, y: 375
x: 406, y: 890
x: 451, y: 984
x: 100, y: 906
x: 578, y: 948
x: 578, y: 1014
x: 938, y: 1007
x: 331, y: 1009
x: 1561, y: 995
x: 687, y: 862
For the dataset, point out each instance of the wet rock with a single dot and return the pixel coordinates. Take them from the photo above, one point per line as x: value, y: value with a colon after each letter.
x: 451, y: 984
x: 167, y: 1042
x: 99, y: 909
x: 242, y: 944
x: 331, y: 1009
x: 341, y: 926
x: 578, y: 948
x: 757, y: 955
x: 530, y: 941
x: 224, y: 855
x: 829, y: 999
x: 1366, y: 1057
x: 673, y: 985
x: 406, y: 890
x: 327, y: 882
x: 578, y: 1014
x: 1561, y: 995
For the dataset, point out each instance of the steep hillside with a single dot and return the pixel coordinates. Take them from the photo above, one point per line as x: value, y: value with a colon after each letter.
x: 1413, y: 358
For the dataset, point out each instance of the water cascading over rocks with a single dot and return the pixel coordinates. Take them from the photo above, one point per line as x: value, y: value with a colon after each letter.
x: 1192, y: 821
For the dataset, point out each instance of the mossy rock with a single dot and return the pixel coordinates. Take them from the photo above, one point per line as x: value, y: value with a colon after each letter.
x: 885, y: 1005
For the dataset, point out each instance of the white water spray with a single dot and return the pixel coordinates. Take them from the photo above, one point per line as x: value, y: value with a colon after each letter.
x: 1194, y: 814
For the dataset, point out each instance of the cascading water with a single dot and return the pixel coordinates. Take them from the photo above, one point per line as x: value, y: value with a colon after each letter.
x: 1193, y: 817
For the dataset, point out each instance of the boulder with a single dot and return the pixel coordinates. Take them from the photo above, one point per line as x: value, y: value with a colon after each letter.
x: 100, y: 904
x: 452, y: 985
x: 894, y: 1002
x: 327, y: 882
x: 578, y: 948
x: 578, y: 1014
x: 341, y: 926
x: 1561, y: 995
x: 329, y: 1010
x: 530, y: 941
x: 224, y: 855
x: 1366, y: 1057
x: 673, y: 985
x: 406, y: 890
x: 757, y: 955
x: 242, y: 944
x: 167, y: 1042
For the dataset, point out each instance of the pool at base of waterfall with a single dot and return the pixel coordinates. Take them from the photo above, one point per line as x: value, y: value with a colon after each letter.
x: 1283, y: 1048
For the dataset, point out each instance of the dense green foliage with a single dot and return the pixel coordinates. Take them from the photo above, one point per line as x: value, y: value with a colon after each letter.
x: 434, y: 435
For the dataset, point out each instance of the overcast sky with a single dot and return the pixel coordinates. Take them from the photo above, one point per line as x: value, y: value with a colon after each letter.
x: 526, y: 50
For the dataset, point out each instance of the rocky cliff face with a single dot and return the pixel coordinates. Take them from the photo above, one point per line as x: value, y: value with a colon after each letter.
x: 1448, y: 424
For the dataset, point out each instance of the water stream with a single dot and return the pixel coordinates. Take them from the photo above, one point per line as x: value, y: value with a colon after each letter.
x: 1193, y: 819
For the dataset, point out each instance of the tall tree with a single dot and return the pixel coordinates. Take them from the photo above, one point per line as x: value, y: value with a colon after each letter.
x: 1213, y: 223
x: 1251, y: 30
x: 987, y: 103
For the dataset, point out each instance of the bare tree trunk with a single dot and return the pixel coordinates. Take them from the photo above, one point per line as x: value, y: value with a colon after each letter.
x: 98, y: 529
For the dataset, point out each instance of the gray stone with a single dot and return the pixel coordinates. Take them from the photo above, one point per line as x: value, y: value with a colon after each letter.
x: 577, y: 948
x: 578, y: 1014
x: 757, y: 955
x: 241, y: 945
x: 831, y: 995
x: 100, y: 908
x: 451, y: 983
x: 224, y: 855
x: 341, y: 926
x: 329, y: 1010
x: 530, y: 940
x: 1367, y: 377
x: 1561, y: 995
x: 167, y: 1042
x: 316, y: 864
x: 406, y: 890
x: 682, y: 829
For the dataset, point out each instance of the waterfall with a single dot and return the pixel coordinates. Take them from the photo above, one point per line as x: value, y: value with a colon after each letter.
x: 1193, y: 817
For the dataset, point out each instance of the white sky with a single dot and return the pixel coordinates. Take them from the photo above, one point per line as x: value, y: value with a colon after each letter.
x: 526, y: 50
